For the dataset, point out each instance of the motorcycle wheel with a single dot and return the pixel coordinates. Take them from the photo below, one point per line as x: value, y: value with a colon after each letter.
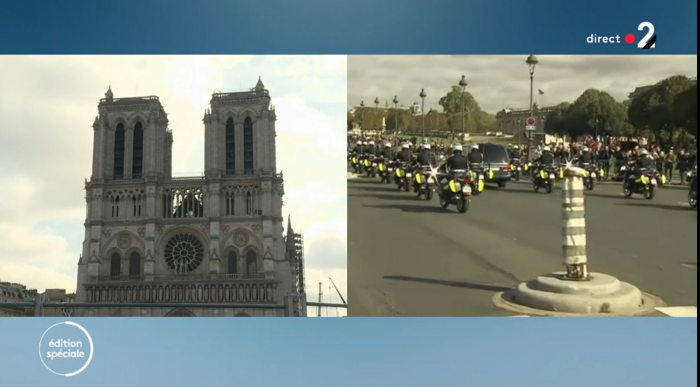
x: 548, y: 188
x: 535, y: 186
x: 406, y: 186
x: 589, y: 184
x: 388, y: 180
x: 649, y: 193
x: 462, y: 205
x: 517, y: 176
x: 443, y: 203
x: 429, y: 194
x: 626, y: 189
x: 693, y: 198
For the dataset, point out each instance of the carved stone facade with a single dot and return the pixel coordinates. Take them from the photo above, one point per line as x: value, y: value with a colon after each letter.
x: 206, y: 246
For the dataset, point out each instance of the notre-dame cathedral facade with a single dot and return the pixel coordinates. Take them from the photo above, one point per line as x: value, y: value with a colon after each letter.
x: 211, y: 245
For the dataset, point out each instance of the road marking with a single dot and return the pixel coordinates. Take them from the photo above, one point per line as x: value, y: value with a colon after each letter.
x: 679, y: 311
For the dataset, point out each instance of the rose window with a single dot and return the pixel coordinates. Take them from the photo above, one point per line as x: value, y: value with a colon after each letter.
x: 184, y: 253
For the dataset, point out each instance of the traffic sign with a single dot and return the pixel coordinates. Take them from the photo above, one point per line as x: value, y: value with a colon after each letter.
x: 531, y: 121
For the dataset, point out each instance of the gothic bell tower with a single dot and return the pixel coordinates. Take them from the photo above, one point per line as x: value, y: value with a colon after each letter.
x: 131, y: 139
x: 240, y: 133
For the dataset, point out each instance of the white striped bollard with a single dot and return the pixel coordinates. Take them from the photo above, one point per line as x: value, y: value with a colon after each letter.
x: 574, y: 228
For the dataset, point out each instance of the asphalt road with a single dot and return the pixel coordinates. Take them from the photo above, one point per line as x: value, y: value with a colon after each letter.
x: 409, y: 257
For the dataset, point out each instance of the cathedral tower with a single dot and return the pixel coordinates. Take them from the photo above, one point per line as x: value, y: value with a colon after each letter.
x: 206, y: 246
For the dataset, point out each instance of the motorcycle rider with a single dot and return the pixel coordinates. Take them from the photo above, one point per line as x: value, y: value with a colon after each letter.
x: 405, y: 155
x: 457, y: 161
x: 546, y: 158
x: 586, y: 157
x: 387, y: 153
x: 515, y: 152
x: 358, y: 148
x: 371, y: 149
x: 426, y: 157
x: 644, y: 162
x: 604, y: 159
x: 475, y: 156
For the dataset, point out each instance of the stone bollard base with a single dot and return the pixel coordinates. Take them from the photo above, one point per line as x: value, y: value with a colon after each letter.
x: 601, y: 294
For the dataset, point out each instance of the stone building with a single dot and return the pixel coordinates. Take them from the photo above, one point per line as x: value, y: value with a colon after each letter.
x: 513, y: 121
x: 11, y: 293
x: 209, y: 245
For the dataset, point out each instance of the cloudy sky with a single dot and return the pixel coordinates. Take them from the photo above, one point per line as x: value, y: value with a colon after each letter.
x: 48, y: 104
x: 500, y: 81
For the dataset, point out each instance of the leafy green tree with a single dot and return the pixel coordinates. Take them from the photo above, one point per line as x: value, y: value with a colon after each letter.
x: 475, y: 119
x: 555, y: 121
x: 685, y: 109
x: 655, y: 108
x: 596, y: 112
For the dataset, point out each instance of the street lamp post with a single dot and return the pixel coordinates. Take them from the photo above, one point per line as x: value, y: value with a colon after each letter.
x: 462, y: 84
x: 396, y: 115
x: 531, y: 62
x: 422, y: 111
x: 362, y: 116
x: 376, y: 106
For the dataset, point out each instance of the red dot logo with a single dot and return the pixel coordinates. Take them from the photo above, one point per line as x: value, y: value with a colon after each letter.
x: 629, y: 38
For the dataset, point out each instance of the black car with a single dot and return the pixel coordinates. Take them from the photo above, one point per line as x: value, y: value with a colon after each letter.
x: 496, y: 163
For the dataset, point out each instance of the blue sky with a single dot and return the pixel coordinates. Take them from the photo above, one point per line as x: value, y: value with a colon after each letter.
x: 367, y: 351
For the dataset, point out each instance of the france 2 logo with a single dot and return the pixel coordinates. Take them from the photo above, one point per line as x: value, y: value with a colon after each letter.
x: 646, y: 42
x: 649, y: 40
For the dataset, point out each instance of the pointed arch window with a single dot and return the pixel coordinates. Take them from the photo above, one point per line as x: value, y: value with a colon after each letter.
x: 137, y: 165
x: 251, y: 259
x: 232, y: 262
x: 115, y: 265
x: 248, y: 146
x: 119, y: 152
x: 134, y: 265
x: 230, y: 147
x: 248, y: 203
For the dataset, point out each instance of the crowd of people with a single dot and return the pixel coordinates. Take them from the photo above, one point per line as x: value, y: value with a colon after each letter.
x: 609, y: 154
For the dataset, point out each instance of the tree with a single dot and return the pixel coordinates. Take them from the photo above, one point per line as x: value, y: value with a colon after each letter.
x: 685, y: 109
x: 555, y: 121
x: 475, y: 120
x: 655, y: 108
x: 596, y: 112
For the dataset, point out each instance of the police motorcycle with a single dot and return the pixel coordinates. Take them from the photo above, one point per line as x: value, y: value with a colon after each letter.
x: 402, y: 176
x: 371, y: 165
x: 516, y: 168
x: 693, y: 192
x: 544, y: 176
x: 603, y: 165
x: 455, y: 187
x: 590, y: 175
x: 354, y: 158
x: 355, y: 162
x: 477, y: 177
x: 424, y: 181
x: 644, y: 182
x: 385, y: 169
x: 622, y: 169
